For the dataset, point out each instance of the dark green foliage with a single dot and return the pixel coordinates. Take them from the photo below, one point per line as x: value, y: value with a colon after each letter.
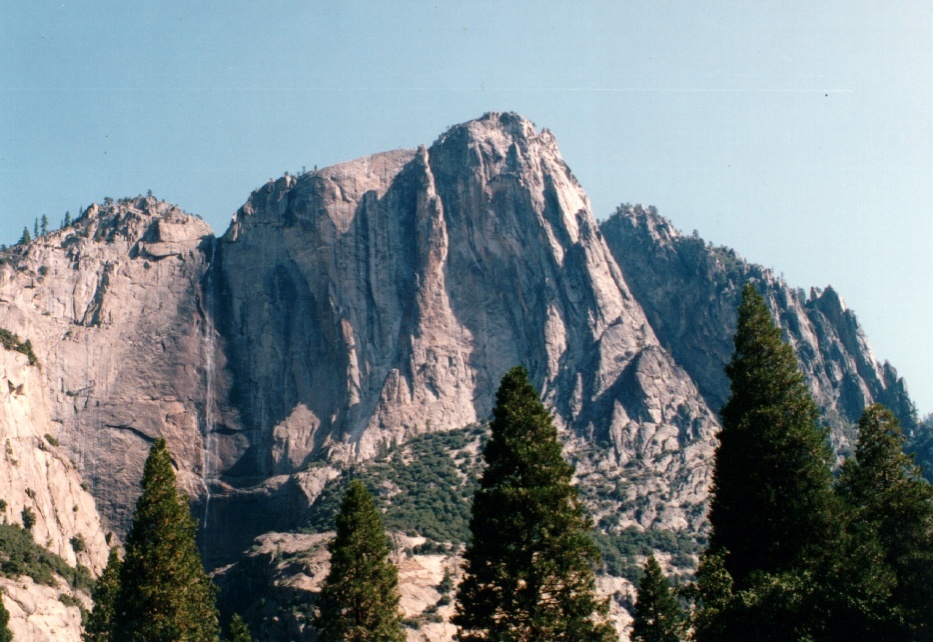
x: 100, y: 622
x: 772, y: 504
x: 891, y: 512
x: 35, y: 229
x: 20, y: 555
x: 619, y: 551
x: 78, y: 545
x: 359, y: 600
x: 657, y: 615
x: 44, y: 225
x: 238, y: 631
x: 165, y: 595
x: 711, y: 595
x: 423, y: 487
x: 26, y: 238
x: 6, y: 635
x: 67, y: 221
x: 11, y: 341
x: 29, y: 518
x: 530, y: 565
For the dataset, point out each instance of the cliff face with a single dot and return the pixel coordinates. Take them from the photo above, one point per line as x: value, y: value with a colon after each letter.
x: 113, y: 307
x: 378, y: 299
x: 690, y: 291
x: 349, y: 309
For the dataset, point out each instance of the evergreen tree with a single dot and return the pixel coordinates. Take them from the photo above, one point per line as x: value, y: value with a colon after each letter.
x: 67, y: 221
x: 359, y: 600
x: 35, y: 229
x: 892, y: 505
x: 25, y: 239
x: 6, y: 635
x: 711, y: 594
x: 772, y: 507
x: 657, y: 614
x: 44, y: 225
x: 100, y: 621
x: 529, y: 567
x: 165, y: 595
x: 238, y: 631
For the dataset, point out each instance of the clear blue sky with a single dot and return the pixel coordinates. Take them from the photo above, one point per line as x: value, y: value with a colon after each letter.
x: 799, y: 133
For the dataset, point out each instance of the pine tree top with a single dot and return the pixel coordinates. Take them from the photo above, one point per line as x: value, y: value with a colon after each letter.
x: 657, y: 615
x: 165, y: 593
x: 359, y: 601
x: 772, y: 499
x: 530, y: 564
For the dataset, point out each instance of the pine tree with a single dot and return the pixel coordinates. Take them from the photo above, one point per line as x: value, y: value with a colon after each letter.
x: 657, y: 615
x: 238, y: 631
x: 711, y: 594
x: 359, y: 600
x: 67, y: 221
x: 165, y: 595
x: 772, y: 505
x: 44, y: 225
x: 892, y: 504
x: 6, y: 635
x: 530, y: 564
x: 35, y: 229
x: 25, y: 239
x: 100, y: 621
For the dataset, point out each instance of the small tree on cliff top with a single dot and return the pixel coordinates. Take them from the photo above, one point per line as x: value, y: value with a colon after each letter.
x: 165, y: 595
x: 359, y: 600
x: 530, y: 565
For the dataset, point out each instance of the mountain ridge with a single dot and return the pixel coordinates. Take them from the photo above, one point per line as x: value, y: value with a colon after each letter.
x: 353, y: 308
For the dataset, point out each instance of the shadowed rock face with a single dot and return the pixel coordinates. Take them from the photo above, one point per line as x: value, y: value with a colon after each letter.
x: 690, y: 292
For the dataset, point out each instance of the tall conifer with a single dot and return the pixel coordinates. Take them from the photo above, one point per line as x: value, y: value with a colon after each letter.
x: 772, y: 501
x: 529, y: 567
x: 165, y: 595
x: 892, y: 505
x: 359, y: 601
x: 657, y: 615
x: 100, y: 622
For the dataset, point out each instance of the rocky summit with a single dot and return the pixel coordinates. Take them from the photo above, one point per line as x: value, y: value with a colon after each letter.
x: 350, y: 310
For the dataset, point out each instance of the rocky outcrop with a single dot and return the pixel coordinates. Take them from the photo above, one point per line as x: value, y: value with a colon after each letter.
x: 375, y: 300
x: 40, y: 613
x: 36, y: 476
x: 690, y: 291
x: 114, y: 308
x: 288, y: 569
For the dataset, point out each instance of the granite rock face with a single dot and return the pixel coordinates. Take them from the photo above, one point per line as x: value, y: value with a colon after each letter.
x: 35, y: 473
x: 114, y: 309
x: 690, y: 291
x: 382, y: 298
x: 349, y: 309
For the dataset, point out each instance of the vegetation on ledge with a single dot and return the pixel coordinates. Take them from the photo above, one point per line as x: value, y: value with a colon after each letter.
x: 11, y: 341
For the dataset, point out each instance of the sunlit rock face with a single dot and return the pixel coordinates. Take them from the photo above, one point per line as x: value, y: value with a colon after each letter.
x: 382, y: 298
